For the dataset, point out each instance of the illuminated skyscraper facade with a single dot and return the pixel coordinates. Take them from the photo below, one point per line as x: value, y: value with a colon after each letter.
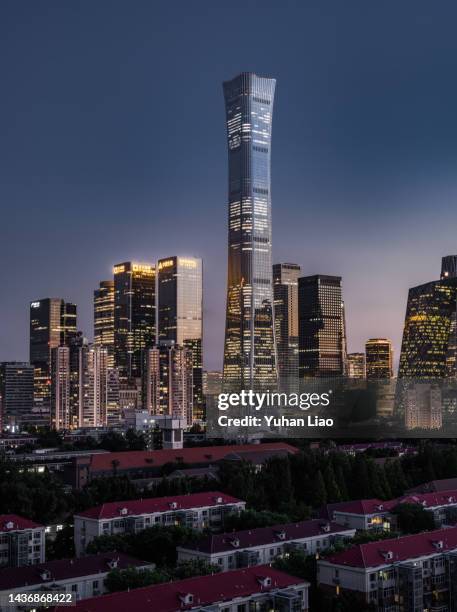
x: 52, y: 324
x: 356, y: 365
x: 134, y: 316
x: 168, y: 381
x: 104, y: 318
x: 285, y: 293
x: 322, y: 328
x: 180, y: 313
x: 379, y: 358
x: 16, y: 393
x: 428, y: 345
x: 249, y: 349
x: 60, y: 388
x: 95, y: 387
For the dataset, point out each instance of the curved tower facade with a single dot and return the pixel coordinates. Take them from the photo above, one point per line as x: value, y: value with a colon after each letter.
x: 249, y: 350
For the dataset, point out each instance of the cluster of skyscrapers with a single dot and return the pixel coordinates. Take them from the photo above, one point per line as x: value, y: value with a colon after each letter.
x: 281, y: 327
x: 147, y: 350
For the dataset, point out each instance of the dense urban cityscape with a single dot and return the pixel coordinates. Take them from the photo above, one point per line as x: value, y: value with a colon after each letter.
x: 112, y: 492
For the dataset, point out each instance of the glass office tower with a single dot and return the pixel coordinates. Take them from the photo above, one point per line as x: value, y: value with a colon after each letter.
x: 285, y: 291
x: 180, y: 290
x: 249, y: 350
x: 428, y: 345
x: 104, y: 318
x: 322, y: 328
x: 52, y: 324
x: 134, y: 316
x: 379, y: 358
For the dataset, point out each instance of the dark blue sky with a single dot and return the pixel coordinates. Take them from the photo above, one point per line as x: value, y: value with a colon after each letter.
x: 112, y: 146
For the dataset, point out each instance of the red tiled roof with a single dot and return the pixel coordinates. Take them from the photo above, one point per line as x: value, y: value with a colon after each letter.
x: 136, y: 507
x: 13, y: 522
x: 429, y: 500
x: 266, y: 535
x: 376, y: 506
x: 374, y: 554
x: 206, y: 590
x: 202, y: 454
x: 445, y: 484
x: 359, y: 506
x: 62, y: 569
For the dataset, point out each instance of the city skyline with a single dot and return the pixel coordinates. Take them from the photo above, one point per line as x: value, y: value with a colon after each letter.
x: 357, y: 148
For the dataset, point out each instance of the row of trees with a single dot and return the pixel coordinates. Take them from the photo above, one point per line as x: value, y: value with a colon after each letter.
x: 293, y: 486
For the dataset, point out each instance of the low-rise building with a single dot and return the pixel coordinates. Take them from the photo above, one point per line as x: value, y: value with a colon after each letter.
x: 254, y: 588
x: 144, y: 466
x: 411, y: 573
x: 22, y: 542
x: 259, y: 546
x: 361, y: 514
x: 197, y: 511
x: 83, y: 577
x: 379, y: 515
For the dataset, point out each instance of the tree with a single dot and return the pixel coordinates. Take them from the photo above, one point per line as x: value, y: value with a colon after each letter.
x: 133, y: 578
x: 62, y: 546
x: 194, y: 567
x: 319, y: 491
x: 252, y: 519
x: 333, y: 491
x: 101, y: 490
x: 109, y: 543
x: 113, y: 442
x: 412, y: 518
x: 135, y: 440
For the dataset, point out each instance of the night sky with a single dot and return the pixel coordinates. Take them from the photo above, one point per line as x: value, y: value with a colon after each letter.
x: 112, y: 147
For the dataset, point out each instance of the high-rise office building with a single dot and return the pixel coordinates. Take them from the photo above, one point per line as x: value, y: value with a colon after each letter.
x: 356, y: 365
x: 285, y: 293
x: 16, y: 393
x: 379, y: 358
x: 104, y: 318
x: 134, y: 316
x: 429, y: 345
x: 249, y: 349
x: 180, y: 313
x: 52, y: 324
x: 168, y: 381
x: 322, y: 329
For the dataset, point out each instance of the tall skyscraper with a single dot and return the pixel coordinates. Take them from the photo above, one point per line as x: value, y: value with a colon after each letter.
x: 52, y: 324
x: 180, y: 313
x: 249, y: 350
x: 104, y: 318
x: 379, y: 358
x: 356, y: 365
x: 16, y: 392
x: 134, y: 316
x: 168, y: 381
x: 429, y: 345
x: 285, y: 293
x: 322, y: 328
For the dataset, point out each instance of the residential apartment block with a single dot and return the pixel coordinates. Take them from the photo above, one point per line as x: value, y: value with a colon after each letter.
x: 198, y: 511
x: 84, y: 577
x: 407, y: 574
x: 252, y: 547
x: 376, y: 514
x: 22, y: 541
x: 254, y: 588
